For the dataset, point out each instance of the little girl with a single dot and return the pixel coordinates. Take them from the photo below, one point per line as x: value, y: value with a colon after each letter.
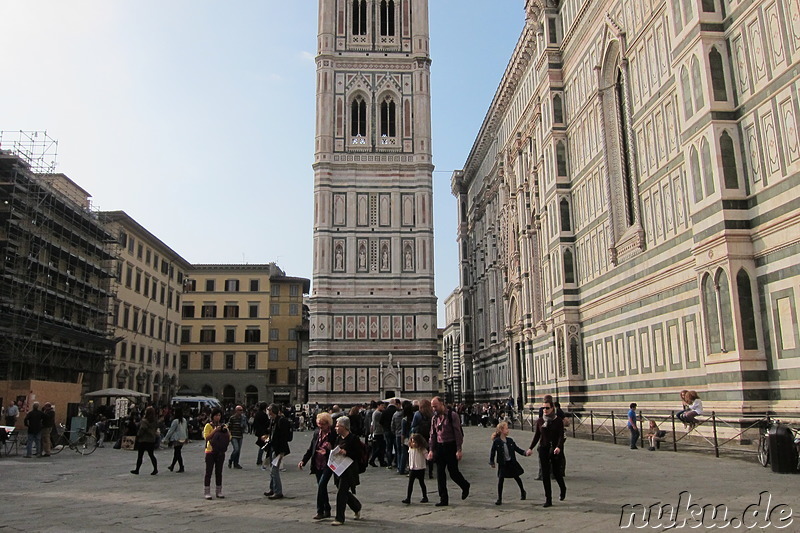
x: 417, y: 450
x: 655, y: 436
x: 504, y: 447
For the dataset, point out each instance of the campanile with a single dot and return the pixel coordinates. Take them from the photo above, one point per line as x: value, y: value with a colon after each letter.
x: 373, y: 308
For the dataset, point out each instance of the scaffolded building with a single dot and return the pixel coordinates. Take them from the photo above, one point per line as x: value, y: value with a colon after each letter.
x: 57, y: 265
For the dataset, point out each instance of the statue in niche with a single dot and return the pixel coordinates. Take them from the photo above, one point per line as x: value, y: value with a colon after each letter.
x: 408, y: 260
x: 362, y: 258
x: 339, y: 258
x: 385, y: 258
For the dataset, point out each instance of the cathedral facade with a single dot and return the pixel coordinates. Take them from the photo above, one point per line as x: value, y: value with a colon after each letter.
x: 628, y: 222
x: 373, y: 308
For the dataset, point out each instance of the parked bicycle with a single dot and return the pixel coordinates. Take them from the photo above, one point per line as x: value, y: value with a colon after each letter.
x: 80, y: 441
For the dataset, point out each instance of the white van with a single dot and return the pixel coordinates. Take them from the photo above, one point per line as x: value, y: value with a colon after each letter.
x: 195, y: 403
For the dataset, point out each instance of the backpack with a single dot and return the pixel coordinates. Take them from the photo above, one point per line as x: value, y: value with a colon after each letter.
x: 363, y: 457
x: 219, y: 441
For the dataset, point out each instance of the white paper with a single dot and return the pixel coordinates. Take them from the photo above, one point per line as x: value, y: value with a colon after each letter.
x: 277, y: 461
x: 338, y: 463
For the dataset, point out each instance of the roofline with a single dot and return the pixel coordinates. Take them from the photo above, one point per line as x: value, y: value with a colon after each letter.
x: 123, y: 217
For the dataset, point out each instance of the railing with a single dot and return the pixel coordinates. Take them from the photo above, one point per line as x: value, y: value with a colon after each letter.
x: 708, y: 433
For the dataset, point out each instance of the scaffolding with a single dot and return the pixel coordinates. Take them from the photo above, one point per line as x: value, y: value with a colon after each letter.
x: 55, y: 276
x: 36, y: 148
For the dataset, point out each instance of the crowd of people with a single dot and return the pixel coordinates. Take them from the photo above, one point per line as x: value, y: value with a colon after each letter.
x: 409, y: 438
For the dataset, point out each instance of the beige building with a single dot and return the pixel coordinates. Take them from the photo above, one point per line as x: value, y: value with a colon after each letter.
x: 146, y: 311
x: 243, y: 333
x: 455, y: 381
x: 628, y: 216
x: 373, y: 308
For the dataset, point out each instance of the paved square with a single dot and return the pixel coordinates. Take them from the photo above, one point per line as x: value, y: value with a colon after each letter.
x: 70, y: 493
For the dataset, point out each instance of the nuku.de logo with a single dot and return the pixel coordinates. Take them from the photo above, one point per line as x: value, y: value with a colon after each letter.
x: 692, y: 515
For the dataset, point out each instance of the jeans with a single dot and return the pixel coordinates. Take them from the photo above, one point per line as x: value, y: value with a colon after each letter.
x: 237, y: 450
x: 214, y: 462
x: 402, y: 454
x: 445, y: 457
x: 260, y: 458
x: 34, y: 437
x: 275, y: 474
x: 634, y: 436
x: 323, y: 503
x: 177, y: 456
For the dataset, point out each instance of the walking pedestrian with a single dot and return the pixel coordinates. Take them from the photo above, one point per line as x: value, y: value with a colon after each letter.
x: 236, y: 425
x: 417, y: 449
x: 217, y: 439
x: 505, y: 449
x: 323, y: 441
x: 346, y: 482
x: 278, y: 447
x: 146, y: 440
x: 445, y: 448
x: 260, y: 428
x: 633, y: 427
x: 549, y: 434
x: 177, y: 434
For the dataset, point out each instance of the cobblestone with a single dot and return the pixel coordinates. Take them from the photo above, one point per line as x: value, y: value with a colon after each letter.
x: 72, y: 493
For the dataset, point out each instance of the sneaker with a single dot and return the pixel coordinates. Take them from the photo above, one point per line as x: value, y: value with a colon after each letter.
x: 499, y: 502
x: 441, y: 504
x: 357, y: 516
x: 424, y: 500
x: 263, y: 467
x: 268, y: 494
x: 238, y: 467
x: 406, y: 501
x: 465, y: 492
x: 275, y: 497
x: 337, y: 523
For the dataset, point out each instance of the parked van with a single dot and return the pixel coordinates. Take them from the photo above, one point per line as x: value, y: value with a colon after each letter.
x: 195, y: 404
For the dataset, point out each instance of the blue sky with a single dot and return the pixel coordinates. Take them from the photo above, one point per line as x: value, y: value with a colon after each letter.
x: 196, y: 117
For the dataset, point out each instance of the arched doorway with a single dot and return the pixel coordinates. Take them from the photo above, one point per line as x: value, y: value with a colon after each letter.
x: 251, y: 395
x: 207, y: 390
x: 228, y: 395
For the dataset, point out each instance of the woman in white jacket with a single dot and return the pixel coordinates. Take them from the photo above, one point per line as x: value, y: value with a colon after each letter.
x: 178, y: 435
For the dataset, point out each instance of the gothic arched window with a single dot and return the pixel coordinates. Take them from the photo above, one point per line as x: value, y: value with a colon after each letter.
x: 569, y: 267
x: 623, y: 135
x: 711, y: 314
x: 725, y: 312
x: 358, y: 118
x: 746, y: 311
x: 387, y: 18
x: 728, y: 156
x: 686, y: 89
x: 388, y: 118
x: 359, y: 17
x: 565, y: 219
x: 708, y: 6
x: 708, y: 171
x: 558, y: 110
x: 697, y: 181
x: 717, y: 75
x: 697, y: 85
x: 561, y: 159
x: 677, y: 19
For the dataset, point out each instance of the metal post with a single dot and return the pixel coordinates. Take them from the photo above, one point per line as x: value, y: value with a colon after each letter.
x: 714, y: 425
x: 591, y: 422
x: 641, y: 433
x: 613, y: 427
x: 674, y: 441
x: 572, y: 423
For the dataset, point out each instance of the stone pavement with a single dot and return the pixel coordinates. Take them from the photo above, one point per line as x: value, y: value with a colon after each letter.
x: 71, y: 493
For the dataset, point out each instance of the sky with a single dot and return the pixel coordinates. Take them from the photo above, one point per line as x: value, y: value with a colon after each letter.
x: 196, y: 117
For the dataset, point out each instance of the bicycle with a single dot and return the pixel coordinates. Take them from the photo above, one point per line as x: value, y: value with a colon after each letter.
x: 83, y: 443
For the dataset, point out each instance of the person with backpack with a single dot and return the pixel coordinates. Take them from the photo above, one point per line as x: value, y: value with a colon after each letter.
x: 445, y: 448
x: 217, y: 439
x: 350, y: 446
x: 278, y: 442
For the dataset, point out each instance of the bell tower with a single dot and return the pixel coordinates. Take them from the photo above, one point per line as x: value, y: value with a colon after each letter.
x: 373, y: 297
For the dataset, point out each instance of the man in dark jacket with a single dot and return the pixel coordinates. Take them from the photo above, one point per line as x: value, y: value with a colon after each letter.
x: 279, y: 447
x: 33, y: 421
x: 260, y: 428
x: 237, y: 424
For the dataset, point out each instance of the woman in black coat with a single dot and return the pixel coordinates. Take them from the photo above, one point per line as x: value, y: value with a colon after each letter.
x: 351, y: 447
x: 505, y: 449
x: 323, y: 441
x: 549, y: 434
